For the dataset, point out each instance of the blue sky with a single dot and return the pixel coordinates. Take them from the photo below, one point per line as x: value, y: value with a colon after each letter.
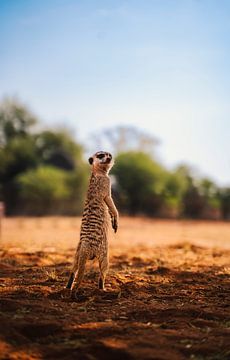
x: 160, y: 65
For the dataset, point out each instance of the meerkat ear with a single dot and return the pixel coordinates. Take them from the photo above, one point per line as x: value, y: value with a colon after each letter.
x: 90, y: 160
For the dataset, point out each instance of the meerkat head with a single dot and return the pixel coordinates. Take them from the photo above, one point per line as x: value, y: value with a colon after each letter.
x: 101, y: 161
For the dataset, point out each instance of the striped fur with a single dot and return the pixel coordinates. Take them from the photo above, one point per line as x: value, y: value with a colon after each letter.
x: 99, y: 205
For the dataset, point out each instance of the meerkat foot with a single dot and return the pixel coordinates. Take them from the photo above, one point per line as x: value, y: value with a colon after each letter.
x: 70, y: 281
x: 101, y: 284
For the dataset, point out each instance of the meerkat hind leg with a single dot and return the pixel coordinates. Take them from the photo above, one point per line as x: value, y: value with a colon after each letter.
x: 79, y: 276
x: 103, y: 265
x: 73, y: 272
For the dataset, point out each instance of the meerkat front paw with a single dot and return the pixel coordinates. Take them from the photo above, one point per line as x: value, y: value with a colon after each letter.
x: 114, y: 223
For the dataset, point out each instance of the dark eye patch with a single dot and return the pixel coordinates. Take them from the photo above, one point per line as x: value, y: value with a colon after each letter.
x: 100, y: 156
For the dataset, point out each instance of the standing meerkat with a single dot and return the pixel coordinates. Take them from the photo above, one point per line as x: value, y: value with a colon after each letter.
x: 95, y: 221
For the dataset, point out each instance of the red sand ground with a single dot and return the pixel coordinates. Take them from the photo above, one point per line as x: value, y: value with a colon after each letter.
x: 167, y: 292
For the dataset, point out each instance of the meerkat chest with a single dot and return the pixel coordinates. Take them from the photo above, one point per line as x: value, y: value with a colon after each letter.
x: 95, y: 211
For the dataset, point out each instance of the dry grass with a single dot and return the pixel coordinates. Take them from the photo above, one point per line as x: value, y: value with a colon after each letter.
x: 62, y: 233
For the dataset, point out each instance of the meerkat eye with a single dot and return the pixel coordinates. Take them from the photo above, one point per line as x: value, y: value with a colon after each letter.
x: 100, y: 156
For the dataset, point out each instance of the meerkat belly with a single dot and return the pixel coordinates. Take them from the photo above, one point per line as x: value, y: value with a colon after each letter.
x: 94, y: 227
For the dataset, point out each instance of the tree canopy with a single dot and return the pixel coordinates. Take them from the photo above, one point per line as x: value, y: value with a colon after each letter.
x: 37, y: 165
x: 44, y: 172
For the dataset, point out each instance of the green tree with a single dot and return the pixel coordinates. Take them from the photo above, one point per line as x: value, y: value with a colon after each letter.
x: 42, y: 189
x: 15, y: 120
x: 174, y: 187
x: 210, y: 191
x: 224, y: 196
x: 22, y: 151
x: 140, y: 183
x: 17, y: 147
x: 58, y: 148
x: 49, y: 190
x: 17, y: 156
x: 77, y: 181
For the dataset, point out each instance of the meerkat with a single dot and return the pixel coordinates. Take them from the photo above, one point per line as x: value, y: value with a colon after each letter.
x: 99, y: 205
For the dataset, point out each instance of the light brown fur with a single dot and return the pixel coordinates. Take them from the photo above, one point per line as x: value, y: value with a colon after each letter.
x: 95, y: 221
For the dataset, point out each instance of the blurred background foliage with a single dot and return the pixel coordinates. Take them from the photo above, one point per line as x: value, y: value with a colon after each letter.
x: 44, y: 172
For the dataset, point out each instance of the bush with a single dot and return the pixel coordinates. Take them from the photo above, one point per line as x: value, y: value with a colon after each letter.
x: 224, y: 197
x: 43, y: 189
x: 140, y: 182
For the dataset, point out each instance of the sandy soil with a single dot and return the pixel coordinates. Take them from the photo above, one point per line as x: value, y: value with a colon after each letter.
x: 167, y: 292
